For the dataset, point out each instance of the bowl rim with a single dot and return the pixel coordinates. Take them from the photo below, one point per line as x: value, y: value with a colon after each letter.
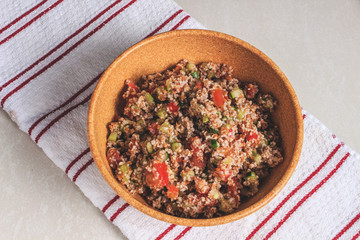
x: 189, y: 221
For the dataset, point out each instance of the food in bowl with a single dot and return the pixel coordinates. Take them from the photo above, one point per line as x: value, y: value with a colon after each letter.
x: 193, y: 141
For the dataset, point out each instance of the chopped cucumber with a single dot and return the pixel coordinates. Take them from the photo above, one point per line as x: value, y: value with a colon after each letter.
x: 162, y: 114
x: 149, y: 98
x: 112, y: 137
x: 149, y: 147
x: 175, y: 146
x: 237, y: 92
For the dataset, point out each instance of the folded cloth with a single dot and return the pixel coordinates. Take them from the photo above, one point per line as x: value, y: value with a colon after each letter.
x: 52, y: 54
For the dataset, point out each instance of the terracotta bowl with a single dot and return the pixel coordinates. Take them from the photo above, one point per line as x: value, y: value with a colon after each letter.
x: 156, y: 54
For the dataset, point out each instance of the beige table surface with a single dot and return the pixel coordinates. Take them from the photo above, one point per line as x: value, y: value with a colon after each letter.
x: 316, y: 44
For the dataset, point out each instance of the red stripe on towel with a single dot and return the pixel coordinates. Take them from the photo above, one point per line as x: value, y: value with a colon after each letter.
x: 110, y: 203
x: 307, y: 196
x: 64, y: 104
x: 180, y: 23
x: 356, y: 236
x: 30, y: 22
x: 59, y: 117
x: 171, y: 227
x: 164, y: 23
x: 66, y: 52
x: 22, y: 16
x: 182, y: 233
x: 88, y: 163
x: 292, y: 193
x: 76, y: 160
x: 349, y: 225
x: 122, y: 208
x: 59, y: 45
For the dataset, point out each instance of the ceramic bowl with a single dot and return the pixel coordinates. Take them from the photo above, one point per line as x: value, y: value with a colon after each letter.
x: 156, y: 54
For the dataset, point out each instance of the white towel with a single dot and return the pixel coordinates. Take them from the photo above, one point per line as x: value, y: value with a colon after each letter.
x: 51, y: 55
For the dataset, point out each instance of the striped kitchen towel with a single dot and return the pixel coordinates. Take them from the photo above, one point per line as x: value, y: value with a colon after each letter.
x: 52, y: 53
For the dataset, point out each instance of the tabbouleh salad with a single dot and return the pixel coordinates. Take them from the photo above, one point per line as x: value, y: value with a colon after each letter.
x: 193, y: 141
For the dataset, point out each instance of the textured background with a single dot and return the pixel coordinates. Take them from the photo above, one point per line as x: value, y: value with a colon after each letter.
x: 316, y: 44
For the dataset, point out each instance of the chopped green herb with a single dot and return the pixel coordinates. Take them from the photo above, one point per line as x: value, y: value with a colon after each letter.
x: 214, y: 144
x: 195, y: 74
x: 214, y: 131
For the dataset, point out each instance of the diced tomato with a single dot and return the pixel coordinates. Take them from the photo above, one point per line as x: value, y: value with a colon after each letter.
x: 179, y: 160
x: 250, y: 90
x: 153, y: 128
x: 198, y: 85
x: 158, y: 177
x: 131, y: 84
x: 224, y: 172
x: 177, y: 68
x: 173, y: 107
x: 113, y: 157
x: 197, y: 158
x: 172, y: 192
x: 218, y: 97
x: 251, y: 136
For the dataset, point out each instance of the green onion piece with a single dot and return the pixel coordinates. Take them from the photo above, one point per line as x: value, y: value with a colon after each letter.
x: 250, y: 175
x: 175, y: 146
x: 227, y: 161
x: 124, y: 168
x: 168, y: 85
x: 195, y: 74
x: 237, y: 92
x: 182, y: 72
x: 256, y: 157
x: 162, y: 114
x: 149, y: 148
x: 214, y: 144
x: 205, y: 119
x: 240, y: 114
x: 149, y: 98
x: 112, y: 137
x: 181, y: 104
x: 224, y: 118
x: 164, y: 128
x: 213, y: 131
x: 190, y: 66
x: 166, y: 155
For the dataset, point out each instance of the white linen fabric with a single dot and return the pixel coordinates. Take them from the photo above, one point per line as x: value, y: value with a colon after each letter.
x: 51, y: 55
